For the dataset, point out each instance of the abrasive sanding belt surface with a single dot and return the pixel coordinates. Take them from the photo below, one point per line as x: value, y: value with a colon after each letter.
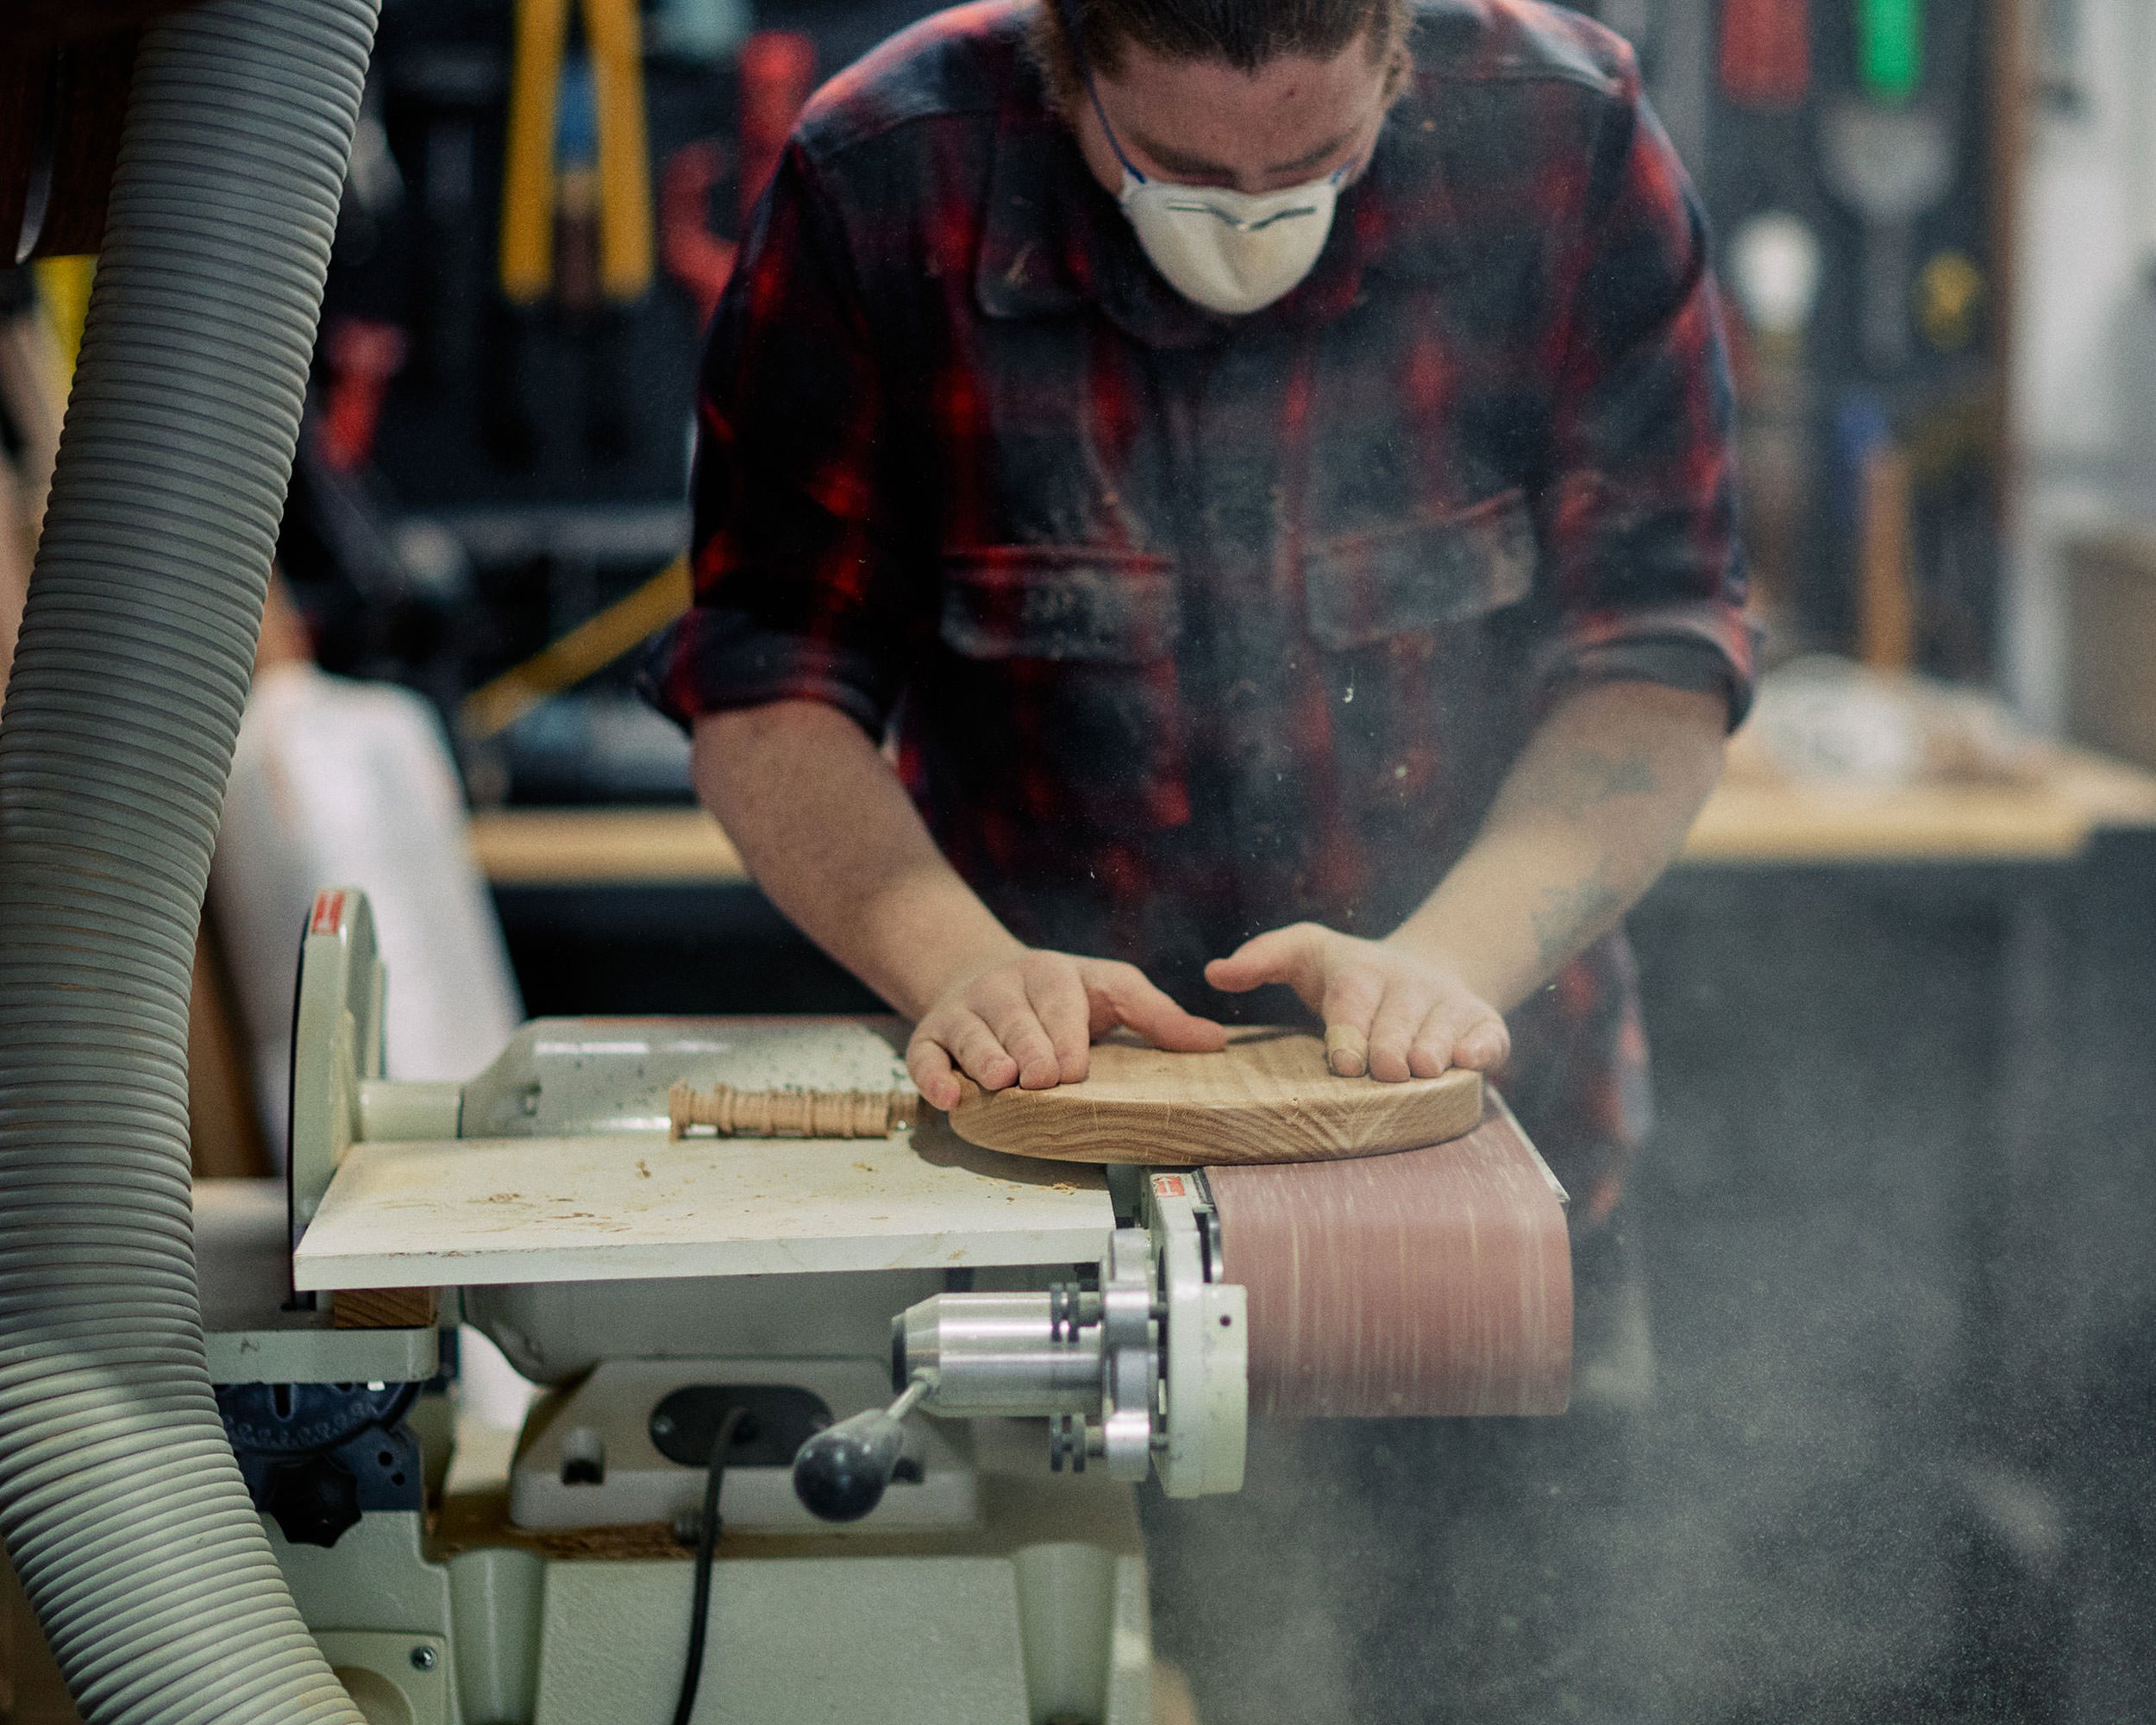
x: 1427, y: 1283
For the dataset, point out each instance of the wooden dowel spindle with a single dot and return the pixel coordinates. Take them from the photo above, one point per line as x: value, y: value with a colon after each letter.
x: 789, y: 1114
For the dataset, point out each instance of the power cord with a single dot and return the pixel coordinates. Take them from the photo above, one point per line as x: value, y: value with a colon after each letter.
x: 706, y: 1551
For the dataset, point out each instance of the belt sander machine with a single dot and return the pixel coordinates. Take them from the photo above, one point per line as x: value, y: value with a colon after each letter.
x: 912, y: 1367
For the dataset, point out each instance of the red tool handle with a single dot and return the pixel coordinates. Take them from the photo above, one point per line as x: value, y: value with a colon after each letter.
x: 1766, y: 51
x: 364, y: 355
x: 778, y: 74
x: 696, y: 257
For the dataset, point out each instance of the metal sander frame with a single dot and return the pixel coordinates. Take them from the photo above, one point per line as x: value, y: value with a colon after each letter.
x: 1148, y: 1370
x: 1143, y: 1369
x: 1143, y: 1365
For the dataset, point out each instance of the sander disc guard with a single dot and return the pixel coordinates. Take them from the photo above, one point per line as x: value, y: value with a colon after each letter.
x: 1268, y: 1096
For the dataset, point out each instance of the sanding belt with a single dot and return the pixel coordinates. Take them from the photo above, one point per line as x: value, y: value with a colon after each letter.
x: 1421, y: 1283
x: 1427, y: 1283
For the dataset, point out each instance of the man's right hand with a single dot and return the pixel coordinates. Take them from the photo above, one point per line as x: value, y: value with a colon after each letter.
x: 1031, y: 1020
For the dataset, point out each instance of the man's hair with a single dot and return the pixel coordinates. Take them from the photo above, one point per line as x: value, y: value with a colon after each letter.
x: 1245, y: 34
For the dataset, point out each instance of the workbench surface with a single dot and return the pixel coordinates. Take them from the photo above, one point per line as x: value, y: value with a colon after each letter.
x: 2051, y: 817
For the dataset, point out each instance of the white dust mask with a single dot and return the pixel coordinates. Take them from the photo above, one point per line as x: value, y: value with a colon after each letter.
x: 1232, y: 252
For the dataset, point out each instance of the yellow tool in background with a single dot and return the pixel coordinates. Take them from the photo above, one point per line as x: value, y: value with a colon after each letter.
x: 529, y: 180
x: 1950, y: 295
x: 589, y: 647
x: 63, y: 288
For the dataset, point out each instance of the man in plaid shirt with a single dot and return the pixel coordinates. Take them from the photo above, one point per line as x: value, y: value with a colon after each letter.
x: 1265, y: 465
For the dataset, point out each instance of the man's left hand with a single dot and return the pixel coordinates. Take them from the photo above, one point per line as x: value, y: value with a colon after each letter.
x: 1412, y: 1013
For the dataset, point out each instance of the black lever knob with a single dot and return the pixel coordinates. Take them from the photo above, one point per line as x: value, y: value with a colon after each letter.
x: 840, y: 1474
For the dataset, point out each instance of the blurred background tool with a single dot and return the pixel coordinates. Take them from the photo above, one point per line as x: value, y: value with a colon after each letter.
x: 1891, y: 47
x: 362, y: 355
x: 778, y: 71
x: 1766, y: 51
x: 1951, y: 291
x: 1891, y: 166
x: 576, y: 208
x: 697, y: 258
x: 1773, y: 266
x: 1886, y: 605
x: 585, y: 651
x: 1874, y: 477
x: 529, y: 185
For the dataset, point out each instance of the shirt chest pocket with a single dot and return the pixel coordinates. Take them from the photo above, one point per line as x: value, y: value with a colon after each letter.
x: 1418, y: 576
x: 1058, y: 700
x: 1424, y: 644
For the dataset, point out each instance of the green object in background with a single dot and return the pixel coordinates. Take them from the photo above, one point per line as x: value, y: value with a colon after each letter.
x: 1891, y: 47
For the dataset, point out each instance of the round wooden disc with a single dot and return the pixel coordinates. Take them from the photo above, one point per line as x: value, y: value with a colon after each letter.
x: 1268, y: 1096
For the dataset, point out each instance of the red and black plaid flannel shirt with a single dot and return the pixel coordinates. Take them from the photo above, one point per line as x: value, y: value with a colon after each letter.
x: 1190, y: 627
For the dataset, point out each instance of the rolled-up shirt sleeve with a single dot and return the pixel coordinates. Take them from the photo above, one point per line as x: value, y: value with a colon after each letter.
x: 798, y: 591
x: 1639, y: 516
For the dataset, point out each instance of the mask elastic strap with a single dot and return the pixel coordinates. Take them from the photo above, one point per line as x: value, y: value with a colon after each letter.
x: 1069, y: 10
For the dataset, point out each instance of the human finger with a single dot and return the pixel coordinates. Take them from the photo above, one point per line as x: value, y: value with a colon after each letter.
x: 1484, y: 1042
x: 1393, y: 1025
x: 929, y: 1062
x: 1347, y: 1052
x: 1280, y: 954
x: 1010, y: 1012
x: 1058, y: 997
x: 1463, y: 1032
x: 1430, y: 1053
x: 1132, y: 999
x: 979, y: 1052
x: 1350, y: 1002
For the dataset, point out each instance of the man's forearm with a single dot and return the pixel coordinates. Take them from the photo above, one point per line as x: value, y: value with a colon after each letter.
x: 1594, y: 811
x: 829, y: 832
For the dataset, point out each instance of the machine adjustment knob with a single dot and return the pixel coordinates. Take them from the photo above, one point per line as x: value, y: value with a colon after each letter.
x: 840, y: 1474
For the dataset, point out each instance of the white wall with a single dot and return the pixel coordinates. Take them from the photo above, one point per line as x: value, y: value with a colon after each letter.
x: 2085, y: 379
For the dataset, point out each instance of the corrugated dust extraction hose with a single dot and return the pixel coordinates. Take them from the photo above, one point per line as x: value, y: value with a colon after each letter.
x: 120, y: 1503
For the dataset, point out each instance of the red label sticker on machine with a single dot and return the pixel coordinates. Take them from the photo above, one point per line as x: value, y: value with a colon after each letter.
x: 1169, y: 1186
x: 328, y: 916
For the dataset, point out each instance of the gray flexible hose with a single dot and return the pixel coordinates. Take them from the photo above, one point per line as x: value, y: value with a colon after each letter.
x: 120, y: 1503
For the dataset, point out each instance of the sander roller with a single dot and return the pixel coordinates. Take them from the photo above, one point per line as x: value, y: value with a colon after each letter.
x: 1432, y: 1281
